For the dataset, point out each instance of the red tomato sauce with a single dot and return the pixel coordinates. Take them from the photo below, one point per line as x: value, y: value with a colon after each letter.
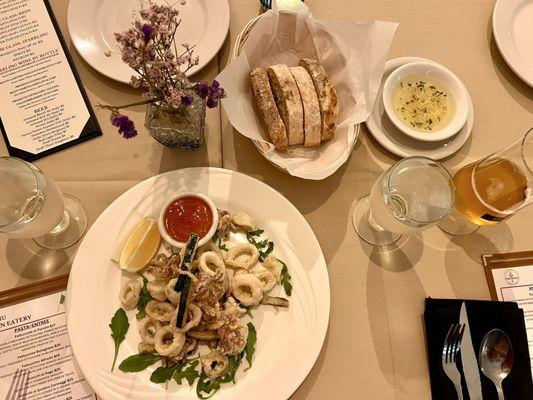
x: 187, y: 215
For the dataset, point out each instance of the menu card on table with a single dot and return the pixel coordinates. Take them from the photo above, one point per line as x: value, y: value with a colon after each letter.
x: 510, y: 278
x: 43, y: 106
x: 36, y: 361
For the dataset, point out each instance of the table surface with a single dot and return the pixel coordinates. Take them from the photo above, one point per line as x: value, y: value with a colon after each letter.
x: 375, y: 347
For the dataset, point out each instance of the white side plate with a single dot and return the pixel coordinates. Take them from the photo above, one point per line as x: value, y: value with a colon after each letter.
x: 92, y: 24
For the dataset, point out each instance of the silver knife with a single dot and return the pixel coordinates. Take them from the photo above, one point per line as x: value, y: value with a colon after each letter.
x: 469, y: 359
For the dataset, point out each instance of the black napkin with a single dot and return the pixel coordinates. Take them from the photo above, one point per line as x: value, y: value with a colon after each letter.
x: 483, y: 316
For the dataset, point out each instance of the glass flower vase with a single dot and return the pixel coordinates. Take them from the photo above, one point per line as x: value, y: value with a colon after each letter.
x: 177, y: 128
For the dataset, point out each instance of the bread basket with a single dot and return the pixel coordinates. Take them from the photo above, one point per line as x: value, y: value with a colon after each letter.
x: 239, y: 42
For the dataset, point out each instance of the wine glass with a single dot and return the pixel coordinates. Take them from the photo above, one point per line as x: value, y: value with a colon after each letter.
x: 32, y: 207
x: 413, y: 195
x: 492, y: 189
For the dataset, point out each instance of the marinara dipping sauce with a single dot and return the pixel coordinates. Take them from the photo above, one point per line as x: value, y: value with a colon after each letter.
x: 186, y: 215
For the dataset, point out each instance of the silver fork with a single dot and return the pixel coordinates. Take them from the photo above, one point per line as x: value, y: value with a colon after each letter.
x: 19, y: 385
x: 452, y: 345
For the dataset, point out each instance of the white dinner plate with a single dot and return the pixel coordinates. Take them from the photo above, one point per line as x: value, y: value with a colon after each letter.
x: 92, y: 24
x: 394, y: 140
x: 288, y: 341
x: 512, y: 26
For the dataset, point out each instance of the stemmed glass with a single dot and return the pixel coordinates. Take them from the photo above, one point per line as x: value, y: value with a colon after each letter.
x: 32, y: 207
x: 413, y: 195
x: 492, y: 189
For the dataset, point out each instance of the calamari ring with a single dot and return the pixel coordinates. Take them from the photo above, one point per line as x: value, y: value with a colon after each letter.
x: 247, y: 289
x: 159, y: 310
x: 194, y: 317
x: 234, y: 257
x: 209, y: 246
x: 170, y: 293
x: 267, y: 279
x: 147, y: 329
x: 211, y: 262
x: 168, y: 342
x: 214, y: 364
x: 129, y: 294
x: 156, y: 288
x: 274, y: 266
x: 244, y: 221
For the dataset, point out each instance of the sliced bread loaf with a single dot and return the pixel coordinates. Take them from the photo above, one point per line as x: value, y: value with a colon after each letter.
x: 288, y: 100
x: 267, y: 106
x: 327, y: 97
x: 311, y: 107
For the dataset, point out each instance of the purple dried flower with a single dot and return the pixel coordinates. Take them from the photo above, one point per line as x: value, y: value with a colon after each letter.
x: 202, y: 90
x: 211, y: 102
x: 126, y: 127
x: 186, y: 100
x: 148, y: 30
x: 216, y: 92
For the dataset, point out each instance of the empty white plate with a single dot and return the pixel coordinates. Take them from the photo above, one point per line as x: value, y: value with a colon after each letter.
x: 93, y: 23
x: 512, y: 26
x: 395, y: 141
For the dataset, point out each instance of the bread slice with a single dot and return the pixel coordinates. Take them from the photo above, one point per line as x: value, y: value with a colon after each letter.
x: 267, y: 106
x: 327, y: 97
x: 311, y: 107
x: 288, y: 100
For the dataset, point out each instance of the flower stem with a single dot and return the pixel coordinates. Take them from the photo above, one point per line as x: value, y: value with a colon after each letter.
x: 116, y: 108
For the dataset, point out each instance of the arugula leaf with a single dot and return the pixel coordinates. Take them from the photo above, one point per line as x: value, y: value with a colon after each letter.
x: 119, y: 327
x: 222, y: 246
x: 144, y: 298
x: 258, y: 232
x: 286, y: 278
x: 249, y: 312
x: 162, y: 374
x: 189, y: 373
x: 138, y: 362
x: 264, y: 254
x: 209, y: 387
x: 250, y: 344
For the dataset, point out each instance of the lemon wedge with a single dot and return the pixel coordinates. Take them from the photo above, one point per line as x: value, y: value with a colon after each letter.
x: 140, y: 246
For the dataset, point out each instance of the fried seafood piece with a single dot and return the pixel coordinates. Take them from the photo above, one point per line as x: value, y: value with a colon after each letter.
x: 232, y: 307
x: 242, y: 255
x: 147, y: 329
x: 168, y: 341
x: 206, y: 294
x: 267, y: 279
x: 274, y: 266
x: 232, y: 333
x: 170, y: 293
x: 214, y: 364
x: 163, y: 267
x: 244, y: 221
x: 146, y: 348
x: 194, y: 317
x: 159, y: 310
x: 247, y: 289
x: 156, y: 288
x: 129, y: 294
x: 210, y: 262
x: 189, y: 347
x: 209, y: 246
x: 225, y: 224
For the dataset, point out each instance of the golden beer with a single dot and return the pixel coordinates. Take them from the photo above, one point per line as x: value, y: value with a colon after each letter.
x: 490, y: 191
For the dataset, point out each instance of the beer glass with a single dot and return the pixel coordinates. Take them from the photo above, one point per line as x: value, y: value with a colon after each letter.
x: 413, y: 195
x: 492, y: 189
x: 32, y: 207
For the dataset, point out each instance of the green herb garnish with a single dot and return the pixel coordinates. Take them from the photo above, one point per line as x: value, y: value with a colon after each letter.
x: 249, y: 312
x: 162, y: 374
x: 138, y: 362
x: 250, y: 344
x: 119, y: 327
x: 286, y: 278
x: 144, y: 298
x: 189, y: 373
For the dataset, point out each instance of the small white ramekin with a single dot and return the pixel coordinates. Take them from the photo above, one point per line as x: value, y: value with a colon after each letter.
x: 171, y: 199
x: 456, y: 88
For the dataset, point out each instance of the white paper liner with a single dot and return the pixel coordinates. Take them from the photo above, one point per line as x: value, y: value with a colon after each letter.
x: 353, y: 55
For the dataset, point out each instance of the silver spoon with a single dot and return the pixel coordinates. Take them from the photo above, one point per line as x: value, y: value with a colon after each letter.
x: 496, y: 358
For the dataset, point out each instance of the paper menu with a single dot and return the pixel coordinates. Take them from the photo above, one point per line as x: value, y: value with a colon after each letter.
x: 34, y: 340
x: 43, y: 106
x: 510, y: 278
